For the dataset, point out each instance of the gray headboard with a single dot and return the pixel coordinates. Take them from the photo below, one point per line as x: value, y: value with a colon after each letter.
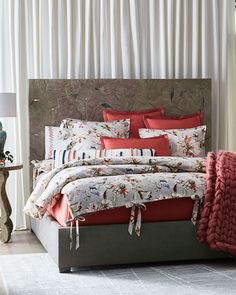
x: 52, y: 100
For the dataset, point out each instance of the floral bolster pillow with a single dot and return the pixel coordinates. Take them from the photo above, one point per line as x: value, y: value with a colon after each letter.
x: 136, y: 118
x: 52, y: 141
x: 85, y: 135
x: 65, y: 156
x: 188, y: 142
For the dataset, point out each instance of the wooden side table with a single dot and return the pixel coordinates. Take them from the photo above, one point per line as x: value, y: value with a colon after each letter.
x: 6, y: 225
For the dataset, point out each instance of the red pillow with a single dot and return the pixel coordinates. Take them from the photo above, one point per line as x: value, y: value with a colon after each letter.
x: 136, y: 118
x: 181, y: 122
x: 160, y: 144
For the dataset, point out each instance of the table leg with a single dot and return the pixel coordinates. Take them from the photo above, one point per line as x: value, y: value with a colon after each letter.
x: 6, y: 225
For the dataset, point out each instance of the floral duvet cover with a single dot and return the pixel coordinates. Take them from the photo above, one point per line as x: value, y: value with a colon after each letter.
x: 104, y: 183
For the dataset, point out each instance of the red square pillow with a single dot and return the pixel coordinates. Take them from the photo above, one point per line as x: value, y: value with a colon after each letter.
x: 181, y: 122
x: 160, y: 144
x: 136, y: 118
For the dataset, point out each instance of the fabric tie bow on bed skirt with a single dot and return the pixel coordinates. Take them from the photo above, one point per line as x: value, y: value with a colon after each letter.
x: 218, y: 219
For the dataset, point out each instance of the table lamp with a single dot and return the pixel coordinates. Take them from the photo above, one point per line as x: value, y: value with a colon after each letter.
x: 7, y: 109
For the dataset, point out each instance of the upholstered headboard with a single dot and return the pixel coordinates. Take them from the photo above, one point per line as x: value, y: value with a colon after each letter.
x: 52, y: 100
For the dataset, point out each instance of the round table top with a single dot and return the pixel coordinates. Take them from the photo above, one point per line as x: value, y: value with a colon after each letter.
x: 11, y: 166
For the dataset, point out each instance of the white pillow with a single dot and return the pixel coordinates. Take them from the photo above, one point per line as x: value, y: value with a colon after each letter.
x: 188, y: 142
x: 65, y: 156
x: 53, y: 142
x: 85, y: 135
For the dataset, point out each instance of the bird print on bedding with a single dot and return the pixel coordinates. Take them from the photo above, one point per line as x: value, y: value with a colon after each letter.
x: 103, y: 183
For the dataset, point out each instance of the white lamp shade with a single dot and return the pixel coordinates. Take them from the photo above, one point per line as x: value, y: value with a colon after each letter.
x: 7, y: 105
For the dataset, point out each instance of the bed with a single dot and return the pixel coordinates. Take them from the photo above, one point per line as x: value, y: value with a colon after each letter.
x: 163, y: 238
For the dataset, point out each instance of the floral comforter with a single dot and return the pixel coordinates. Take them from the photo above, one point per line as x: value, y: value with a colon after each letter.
x: 104, y: 183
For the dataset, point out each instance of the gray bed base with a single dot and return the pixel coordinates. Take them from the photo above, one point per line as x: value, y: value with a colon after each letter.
x: 102, y: 245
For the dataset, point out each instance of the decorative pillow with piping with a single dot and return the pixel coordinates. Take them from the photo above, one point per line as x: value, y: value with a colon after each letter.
x: 85, y: 135
x: 181, y: 122
x: 53, y: 142
x: 183, y: 142
x: 136, y: 118
x: 160, y: 144
x: 65, y: 156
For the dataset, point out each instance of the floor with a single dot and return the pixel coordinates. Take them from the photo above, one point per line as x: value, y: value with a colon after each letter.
x: 21, y: 242
x: 203, y: 277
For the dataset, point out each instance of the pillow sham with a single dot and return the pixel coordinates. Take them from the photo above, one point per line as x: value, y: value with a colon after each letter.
x: 53, y: 142
x: 181, y: 122
x: 85, y: 135
x: 136, y: 118
x: 160, y: 144
x: 183, y: 142
x: 65, y: 156
x: 40, y: 168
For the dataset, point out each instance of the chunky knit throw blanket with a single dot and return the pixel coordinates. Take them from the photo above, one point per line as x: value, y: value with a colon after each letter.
x: 218, y: 219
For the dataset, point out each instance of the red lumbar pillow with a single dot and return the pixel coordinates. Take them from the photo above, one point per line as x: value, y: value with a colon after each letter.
x: 160, y: 144
x: 181, y: 122
x: 136, y: 118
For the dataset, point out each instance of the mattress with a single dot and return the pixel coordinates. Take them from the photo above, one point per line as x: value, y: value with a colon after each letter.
x: 164, y: 210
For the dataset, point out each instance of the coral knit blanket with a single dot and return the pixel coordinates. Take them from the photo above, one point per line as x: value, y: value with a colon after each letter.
x: 218, y: 219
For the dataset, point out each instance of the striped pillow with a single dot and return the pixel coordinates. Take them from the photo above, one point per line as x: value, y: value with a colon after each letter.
x: 65, y: 156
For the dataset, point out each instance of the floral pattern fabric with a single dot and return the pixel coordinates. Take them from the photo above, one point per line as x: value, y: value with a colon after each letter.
x: 40, y: 168
x: 85, y: 135
x: 103, y: 183
x: 188, y: 142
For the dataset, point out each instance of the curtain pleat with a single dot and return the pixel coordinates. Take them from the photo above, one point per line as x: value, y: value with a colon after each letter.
x: 69, y: 44
x: 88, y: 40
x: 169, y: 21
x: 154, y: 50
x: 134, y: 22
x: 116, y: 39
x: 178, y: 41
x: 195, y: 38
x: 231, y: 74
x: 96, y: 38
x: 144, y: 35
x: 113, y: 38
x: 125, y: 39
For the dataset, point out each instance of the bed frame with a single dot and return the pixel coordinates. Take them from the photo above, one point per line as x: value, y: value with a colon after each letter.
x: 52, y: 100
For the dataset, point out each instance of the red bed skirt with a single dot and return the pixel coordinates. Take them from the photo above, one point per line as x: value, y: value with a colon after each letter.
x: 165, y: 210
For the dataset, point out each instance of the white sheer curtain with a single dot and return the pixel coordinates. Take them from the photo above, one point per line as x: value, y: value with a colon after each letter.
x: 116, y: 39
x: 13, y: 78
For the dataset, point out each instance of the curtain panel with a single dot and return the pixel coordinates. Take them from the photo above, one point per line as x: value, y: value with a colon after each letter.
x: 115, y: 39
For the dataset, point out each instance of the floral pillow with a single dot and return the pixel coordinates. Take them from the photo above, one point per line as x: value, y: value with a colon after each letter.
x: 85, y: 135
x: 188, y: 142
x: 40, y: 168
